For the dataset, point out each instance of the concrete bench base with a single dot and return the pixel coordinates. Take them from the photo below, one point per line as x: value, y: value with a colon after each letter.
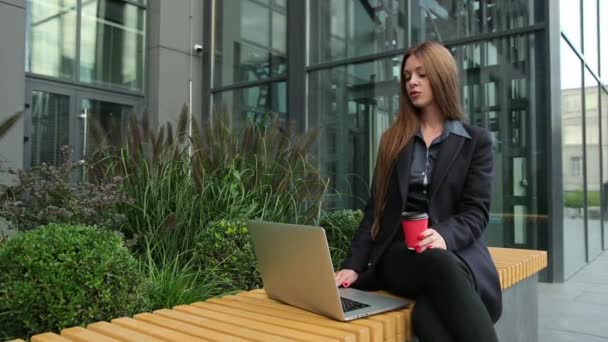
x: 519, y: 321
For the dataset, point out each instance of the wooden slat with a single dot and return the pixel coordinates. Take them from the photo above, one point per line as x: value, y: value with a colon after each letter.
x: 153, y: 330
x: 259, y: 326
x: 49, y: 337
x: 227, y: 328
x: 120, y: 333
x: 361, y: 333
x: 279, y: 322
x: 206, y: 334
x: 377, y: 332
x: 81, y: 334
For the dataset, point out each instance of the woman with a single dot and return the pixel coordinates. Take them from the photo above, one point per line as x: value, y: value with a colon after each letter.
x: 431, y: 162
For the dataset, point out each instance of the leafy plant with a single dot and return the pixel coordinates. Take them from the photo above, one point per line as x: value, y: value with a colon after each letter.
x: 49, y: 194
x: 176, y: 280
x: 6, y: 125
x: 61, y: 275
x: 340, y: 227
x: 224, y: 247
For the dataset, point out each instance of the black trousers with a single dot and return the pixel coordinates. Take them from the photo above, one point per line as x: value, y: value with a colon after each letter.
x: 448, y: 308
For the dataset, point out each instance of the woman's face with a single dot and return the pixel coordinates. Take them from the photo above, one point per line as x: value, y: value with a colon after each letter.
x: 417, y: 83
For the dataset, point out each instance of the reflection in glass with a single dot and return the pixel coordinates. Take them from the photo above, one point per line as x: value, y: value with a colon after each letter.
x: 50, y: 127
x: 342, y: 29
x: 253, y: 104
x: 604, y: 149
x: 604, y: 43
x: 592, y: 146
x: 352, y: 106
x: 112, y: 44
x: 572, y: 160
x: 446, y: 20
x: 51, y: 37
x: 110, y: 117
x: 499, y: 92
x: 570, y: 21
x: 590, y: 33
x: 250, y: 41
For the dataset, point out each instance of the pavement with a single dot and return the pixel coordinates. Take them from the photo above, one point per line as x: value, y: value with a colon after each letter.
x: 576, y: 310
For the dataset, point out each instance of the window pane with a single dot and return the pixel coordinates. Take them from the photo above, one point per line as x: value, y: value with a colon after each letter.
x: 499, y: 90
x: 112, y: 44
x: 111, y: 118
x: 253, y: 103
x: 570, y: 21
x: 51, y: 37
x: 250, y: 41
x: 352, y: 105
x: 572, y: 154
x: 50, y: 127
x: 592, y: 147
x: 341, y: 29
x: 446, y: 20
x: 590, y: 33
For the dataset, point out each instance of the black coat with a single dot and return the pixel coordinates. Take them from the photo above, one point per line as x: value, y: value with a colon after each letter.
x: 459, y: 206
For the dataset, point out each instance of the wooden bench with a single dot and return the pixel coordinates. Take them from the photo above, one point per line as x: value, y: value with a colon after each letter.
x: 253, y: 316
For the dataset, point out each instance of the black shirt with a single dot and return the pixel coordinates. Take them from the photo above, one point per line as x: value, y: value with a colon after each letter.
x: 423, y: 160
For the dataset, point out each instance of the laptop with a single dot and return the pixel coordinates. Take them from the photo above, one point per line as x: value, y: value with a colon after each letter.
x: 296, y: 269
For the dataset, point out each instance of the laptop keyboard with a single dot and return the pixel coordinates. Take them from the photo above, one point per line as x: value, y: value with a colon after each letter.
x: 350, y: 305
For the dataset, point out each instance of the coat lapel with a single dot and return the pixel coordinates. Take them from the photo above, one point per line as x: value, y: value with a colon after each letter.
x: 403, y: 170
x: 450, y: 148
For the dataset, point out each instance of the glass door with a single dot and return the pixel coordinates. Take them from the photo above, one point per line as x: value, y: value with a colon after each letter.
x: 50, y: 123
x: 101, y: 120
x: 60, y: 115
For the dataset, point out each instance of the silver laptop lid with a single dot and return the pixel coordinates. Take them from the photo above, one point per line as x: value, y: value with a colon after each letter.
x: 296, y: 267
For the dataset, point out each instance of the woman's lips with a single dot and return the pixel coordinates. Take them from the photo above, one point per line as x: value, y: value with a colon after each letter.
x: 414, y: 93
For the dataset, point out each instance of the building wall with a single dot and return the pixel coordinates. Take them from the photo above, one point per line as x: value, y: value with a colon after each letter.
x: 12, y: 82
x: 171, y: 59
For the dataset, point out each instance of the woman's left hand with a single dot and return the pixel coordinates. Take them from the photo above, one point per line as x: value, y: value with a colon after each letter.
x: 430, y: 238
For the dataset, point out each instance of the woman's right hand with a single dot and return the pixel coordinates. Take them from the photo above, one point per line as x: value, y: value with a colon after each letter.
x: 346, y: 277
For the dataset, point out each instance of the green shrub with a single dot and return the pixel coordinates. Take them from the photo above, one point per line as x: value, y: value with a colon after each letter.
x: 340, y: 226
x: 574, y: 199
x: 224, y: 247
x: 177, y: 280
x: 60, y: 276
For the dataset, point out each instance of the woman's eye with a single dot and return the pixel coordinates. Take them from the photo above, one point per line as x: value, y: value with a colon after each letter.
x: 422, y: 75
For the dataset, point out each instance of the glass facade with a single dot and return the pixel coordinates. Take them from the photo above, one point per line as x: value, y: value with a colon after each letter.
x: 584, y: 131
x: 344, y: 29
x: 81, y: 58
x: 51, y: 38
x: 253, y: 103
x: 450, y: 20
x: 112, y: 44
x: 98, y: 42
x: 352, y: 105
x: 250, y: 41
x: 501, y: 91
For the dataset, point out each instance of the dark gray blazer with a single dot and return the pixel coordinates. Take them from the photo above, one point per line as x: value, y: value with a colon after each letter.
x: 459, y: 206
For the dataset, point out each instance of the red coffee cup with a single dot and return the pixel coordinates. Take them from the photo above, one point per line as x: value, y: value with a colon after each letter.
x: 413, y: 224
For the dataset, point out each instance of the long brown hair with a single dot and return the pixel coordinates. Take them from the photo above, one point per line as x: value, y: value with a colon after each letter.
x: 442, y: 72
